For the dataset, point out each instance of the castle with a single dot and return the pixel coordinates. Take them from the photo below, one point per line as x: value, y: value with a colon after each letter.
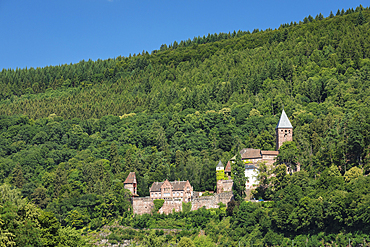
x: 176, y: 193
x: 253, y: 157
x: 176, y: 190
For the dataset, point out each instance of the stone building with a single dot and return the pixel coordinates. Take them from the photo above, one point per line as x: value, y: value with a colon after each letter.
x: 284, y: 130
x: 251, y: 172
x: 256, y: 156
x: 131, y: 183
x: 224, y: 186
x: 253, y: 157
x: 176, y: 190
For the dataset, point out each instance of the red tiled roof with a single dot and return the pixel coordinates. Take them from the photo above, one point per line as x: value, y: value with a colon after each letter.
x: 131, y: 178
x: 228, y: 167
x: 270, y: 152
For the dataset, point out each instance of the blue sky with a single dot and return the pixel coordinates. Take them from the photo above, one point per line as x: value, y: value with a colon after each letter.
x: 53, y: 32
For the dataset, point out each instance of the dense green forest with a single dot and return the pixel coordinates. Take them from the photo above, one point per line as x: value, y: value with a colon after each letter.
x: 70, y: 134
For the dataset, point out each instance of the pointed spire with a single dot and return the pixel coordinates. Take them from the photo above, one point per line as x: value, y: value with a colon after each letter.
x: 131, y: 178
x: 220, y: 165
x: 284, y: 121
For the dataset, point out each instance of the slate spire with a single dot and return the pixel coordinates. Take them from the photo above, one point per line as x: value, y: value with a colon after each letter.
x: 284, y: 121
x: 220, y: 166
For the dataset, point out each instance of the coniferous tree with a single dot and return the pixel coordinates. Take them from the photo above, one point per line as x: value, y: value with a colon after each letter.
x: 360, y: 19
x: 331, y: 14
x: 18, y: 177
x: 240, y: 180
x: 114, y: 159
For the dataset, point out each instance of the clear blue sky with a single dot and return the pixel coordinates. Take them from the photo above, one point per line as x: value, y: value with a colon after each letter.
x: 51, y: 32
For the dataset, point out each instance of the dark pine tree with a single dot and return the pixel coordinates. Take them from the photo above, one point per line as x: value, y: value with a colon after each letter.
x: 360, y: 19
x: 238, y: 169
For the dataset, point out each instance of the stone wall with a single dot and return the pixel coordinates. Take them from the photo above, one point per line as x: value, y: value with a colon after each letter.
x: 170, y: 205
x: 224, y: 186
x: 142, y: 205
x: 211, y: 201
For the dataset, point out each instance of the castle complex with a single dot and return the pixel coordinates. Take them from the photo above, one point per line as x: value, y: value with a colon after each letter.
x: 253, y: 157
x: 177, y: 192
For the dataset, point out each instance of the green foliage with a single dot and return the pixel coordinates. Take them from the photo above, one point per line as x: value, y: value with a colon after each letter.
x: 360, y: 19
x: 173, y: 114
x: 186, y: 207
x: 288, y: 154
x: 152, y: 240
x: 12, y: 195
x: 207, y: 193
x: 158, y: 203
x: 238, y: 169
x: 353, y: 173
x: 70, y: 237
x: 203, y: 241
x: 186, y: 242
x: 220, y: 175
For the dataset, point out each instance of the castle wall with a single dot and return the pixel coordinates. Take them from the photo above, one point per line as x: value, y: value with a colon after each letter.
x: 142, y: 205
x: 145, y: 205
x: 211, y: 201
x: 224, y: 186
x: 269, y: 159
x: 170, y: 205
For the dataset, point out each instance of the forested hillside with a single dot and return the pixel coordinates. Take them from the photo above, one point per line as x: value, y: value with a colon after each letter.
x: 70, y: 134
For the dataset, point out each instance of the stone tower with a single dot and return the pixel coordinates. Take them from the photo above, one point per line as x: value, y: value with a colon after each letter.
x: 131, y: 183
x: 284, y: 130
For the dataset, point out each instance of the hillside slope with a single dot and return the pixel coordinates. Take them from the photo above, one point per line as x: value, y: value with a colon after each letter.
x: 69, y: 135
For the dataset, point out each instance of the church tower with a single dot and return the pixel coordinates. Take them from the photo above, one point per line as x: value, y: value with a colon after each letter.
x: 284, y: 130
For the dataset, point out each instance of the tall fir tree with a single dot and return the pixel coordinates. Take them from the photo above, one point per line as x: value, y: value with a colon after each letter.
x: 360, y: 19
x: 18, y: 178
x: 240, y: 180
x: 115, y: 159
